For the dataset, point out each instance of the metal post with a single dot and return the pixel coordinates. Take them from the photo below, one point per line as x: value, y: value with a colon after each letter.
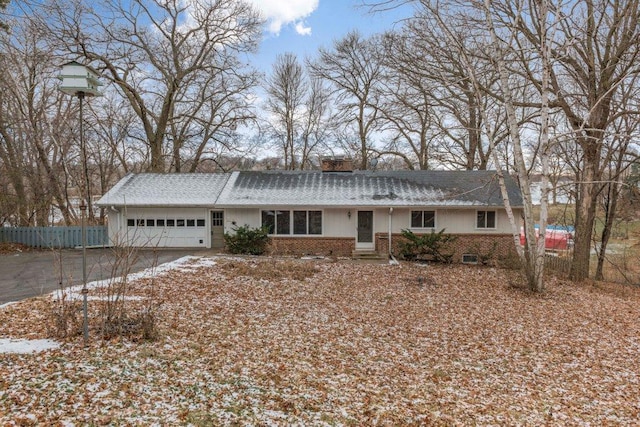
x: 85, y: 291
x: 85, y: 163
x: 83, y: 209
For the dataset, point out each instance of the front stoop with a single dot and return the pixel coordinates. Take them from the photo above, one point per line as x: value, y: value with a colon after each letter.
x: 367, y: 255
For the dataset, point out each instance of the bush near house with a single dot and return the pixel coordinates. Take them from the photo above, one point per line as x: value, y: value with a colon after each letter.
x: 247, y: 241
x: 427, y: 247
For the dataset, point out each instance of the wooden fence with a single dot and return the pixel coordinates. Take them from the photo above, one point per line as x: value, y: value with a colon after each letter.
x: 55, y: 237
x: 558, y: 264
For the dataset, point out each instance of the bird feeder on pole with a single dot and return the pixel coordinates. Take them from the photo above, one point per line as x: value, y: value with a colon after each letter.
x: 81, y: 80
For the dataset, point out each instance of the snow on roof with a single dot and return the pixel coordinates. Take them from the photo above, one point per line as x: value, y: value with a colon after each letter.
x: 313, y: 188
x: 365, y: 188
x: 166, y: 190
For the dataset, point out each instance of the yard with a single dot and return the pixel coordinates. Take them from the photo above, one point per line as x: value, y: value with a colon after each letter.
x: 276, y: 341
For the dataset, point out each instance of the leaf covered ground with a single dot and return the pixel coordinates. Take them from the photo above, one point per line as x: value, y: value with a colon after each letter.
x: 292, y: 342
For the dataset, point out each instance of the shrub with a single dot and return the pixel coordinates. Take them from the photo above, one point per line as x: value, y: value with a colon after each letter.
x: 247, y: 241
x: 426, y: 247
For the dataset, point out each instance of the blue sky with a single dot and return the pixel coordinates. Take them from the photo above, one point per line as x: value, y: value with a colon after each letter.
x: 302, y: 26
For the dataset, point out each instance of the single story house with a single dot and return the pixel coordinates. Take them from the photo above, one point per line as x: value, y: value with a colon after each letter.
x: 331, y: 212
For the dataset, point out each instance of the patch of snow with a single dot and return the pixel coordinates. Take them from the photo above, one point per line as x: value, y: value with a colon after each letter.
x: 7, y: 304
x: 184, y: 263
x: 23, y: 346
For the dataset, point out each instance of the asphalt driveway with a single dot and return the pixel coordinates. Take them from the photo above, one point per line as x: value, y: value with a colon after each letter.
x: 29, y: 274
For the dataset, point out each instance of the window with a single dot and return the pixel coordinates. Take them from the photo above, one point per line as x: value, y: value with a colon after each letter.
x: 171, y: 223
x: 217, y: 219
x: 131, y: 223
x: 307, y: 222
x: 140, y: 222
x: 191, y: 223
x: 151, y: 223
x: 315, y: 222
x: 180, y: 223
x: 200, y: 222
x: 423, y: 219
x: 277, y: 222
x: 160, y: 222
x: 486, y: 219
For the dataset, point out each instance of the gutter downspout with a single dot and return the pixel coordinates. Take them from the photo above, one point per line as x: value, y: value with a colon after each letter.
x: 119, y: 216
x: 392, y: 260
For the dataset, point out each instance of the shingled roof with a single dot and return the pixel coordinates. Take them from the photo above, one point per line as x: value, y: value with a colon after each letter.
x: 166, y: 190
x: 366, y: 188
x: 313, y: 188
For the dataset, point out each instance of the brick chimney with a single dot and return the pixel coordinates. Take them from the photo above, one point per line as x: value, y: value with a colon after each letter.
x: 337, y: 164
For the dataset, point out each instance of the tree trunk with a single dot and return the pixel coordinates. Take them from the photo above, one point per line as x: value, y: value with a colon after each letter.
x: 585, y: 213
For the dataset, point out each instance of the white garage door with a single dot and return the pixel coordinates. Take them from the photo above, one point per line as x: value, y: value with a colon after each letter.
x: 168, y: 229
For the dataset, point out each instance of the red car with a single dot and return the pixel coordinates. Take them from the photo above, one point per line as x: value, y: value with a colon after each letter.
x: 557, y: 237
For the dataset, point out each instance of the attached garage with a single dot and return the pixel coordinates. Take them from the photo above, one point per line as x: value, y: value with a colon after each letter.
x: 166, y: 210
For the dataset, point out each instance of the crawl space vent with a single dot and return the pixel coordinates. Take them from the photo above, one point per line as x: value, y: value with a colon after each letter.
x: 469, y: 258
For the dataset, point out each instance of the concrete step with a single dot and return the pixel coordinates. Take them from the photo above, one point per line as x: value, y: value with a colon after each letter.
x: 367, y: 255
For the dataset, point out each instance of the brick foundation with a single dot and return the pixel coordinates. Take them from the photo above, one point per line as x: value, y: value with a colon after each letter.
x: 321, y: 246
x: 478, y: 244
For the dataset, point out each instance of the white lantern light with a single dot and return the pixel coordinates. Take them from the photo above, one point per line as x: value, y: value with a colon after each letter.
x: 77, y: 78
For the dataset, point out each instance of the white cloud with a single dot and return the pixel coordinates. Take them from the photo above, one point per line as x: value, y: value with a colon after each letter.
x: 302, y: 30
x: 279, y: 13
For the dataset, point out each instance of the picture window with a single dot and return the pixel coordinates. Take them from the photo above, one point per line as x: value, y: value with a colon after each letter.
x: 423, y: 219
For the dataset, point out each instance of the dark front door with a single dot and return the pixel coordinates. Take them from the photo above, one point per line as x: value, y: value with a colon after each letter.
x: 365, y: 230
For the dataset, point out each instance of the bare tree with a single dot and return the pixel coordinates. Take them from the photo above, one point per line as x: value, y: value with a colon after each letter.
x: 316, y: 127
x: 114, y: 137
x: 497, y: 41
x: 155, y: 52
x: 286, y: 91
x: 353, y: 71
x: 420, y: 57
x: 3, y: 6
x: 35, y: 150
x: 618, y: 160
x: 406, y: 104
x: 595, y: 51
x: 299, y: 112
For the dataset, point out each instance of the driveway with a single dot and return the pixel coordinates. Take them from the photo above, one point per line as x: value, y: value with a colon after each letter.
x: 29, y: 274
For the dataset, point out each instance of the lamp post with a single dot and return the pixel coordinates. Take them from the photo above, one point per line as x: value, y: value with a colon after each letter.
x: 81, y: 81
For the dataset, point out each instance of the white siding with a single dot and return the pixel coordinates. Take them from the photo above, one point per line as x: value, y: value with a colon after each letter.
x: 455, y: 221
x: 239, y: 217
x: 335, y: 223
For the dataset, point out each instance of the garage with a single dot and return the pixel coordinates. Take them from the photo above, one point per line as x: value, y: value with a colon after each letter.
x: 166, y: 210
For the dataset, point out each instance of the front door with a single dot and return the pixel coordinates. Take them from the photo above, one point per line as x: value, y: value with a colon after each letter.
x: 364, y: 238
x: 217, y: 229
